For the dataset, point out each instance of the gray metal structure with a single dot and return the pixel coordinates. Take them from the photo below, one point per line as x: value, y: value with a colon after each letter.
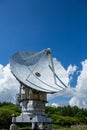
x: 38, y: 75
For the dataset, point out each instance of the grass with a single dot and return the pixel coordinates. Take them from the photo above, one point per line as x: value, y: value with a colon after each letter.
x: 68, y: 129
x: 71, y: 129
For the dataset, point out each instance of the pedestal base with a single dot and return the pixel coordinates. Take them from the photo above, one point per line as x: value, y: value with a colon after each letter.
x: 26, y: 118
x: 36, y: 121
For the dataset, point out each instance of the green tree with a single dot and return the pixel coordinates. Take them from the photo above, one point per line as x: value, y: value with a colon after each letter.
x: 6, y: 110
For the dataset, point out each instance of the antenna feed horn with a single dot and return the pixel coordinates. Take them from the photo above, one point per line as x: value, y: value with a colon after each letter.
x: 48, y: 51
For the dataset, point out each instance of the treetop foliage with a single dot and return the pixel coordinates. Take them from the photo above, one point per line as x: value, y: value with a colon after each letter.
x: 61, y: 116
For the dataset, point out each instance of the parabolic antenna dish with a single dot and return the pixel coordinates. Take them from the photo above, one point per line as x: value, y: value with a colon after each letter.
x: 38, y: 70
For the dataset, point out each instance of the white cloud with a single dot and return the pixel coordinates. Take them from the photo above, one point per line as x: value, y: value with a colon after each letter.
x: 8, y: 84
x: 78, y: 94
x: 53, y: 105
x: 68, y: 92
x: 80, y: 97
x: 71, y: 70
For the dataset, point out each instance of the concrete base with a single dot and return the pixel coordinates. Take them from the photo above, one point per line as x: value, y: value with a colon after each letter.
x: 26, y: 118
x: 36, y: 121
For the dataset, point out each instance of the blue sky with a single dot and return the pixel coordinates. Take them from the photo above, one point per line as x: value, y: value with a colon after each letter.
x: 38, y: 24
